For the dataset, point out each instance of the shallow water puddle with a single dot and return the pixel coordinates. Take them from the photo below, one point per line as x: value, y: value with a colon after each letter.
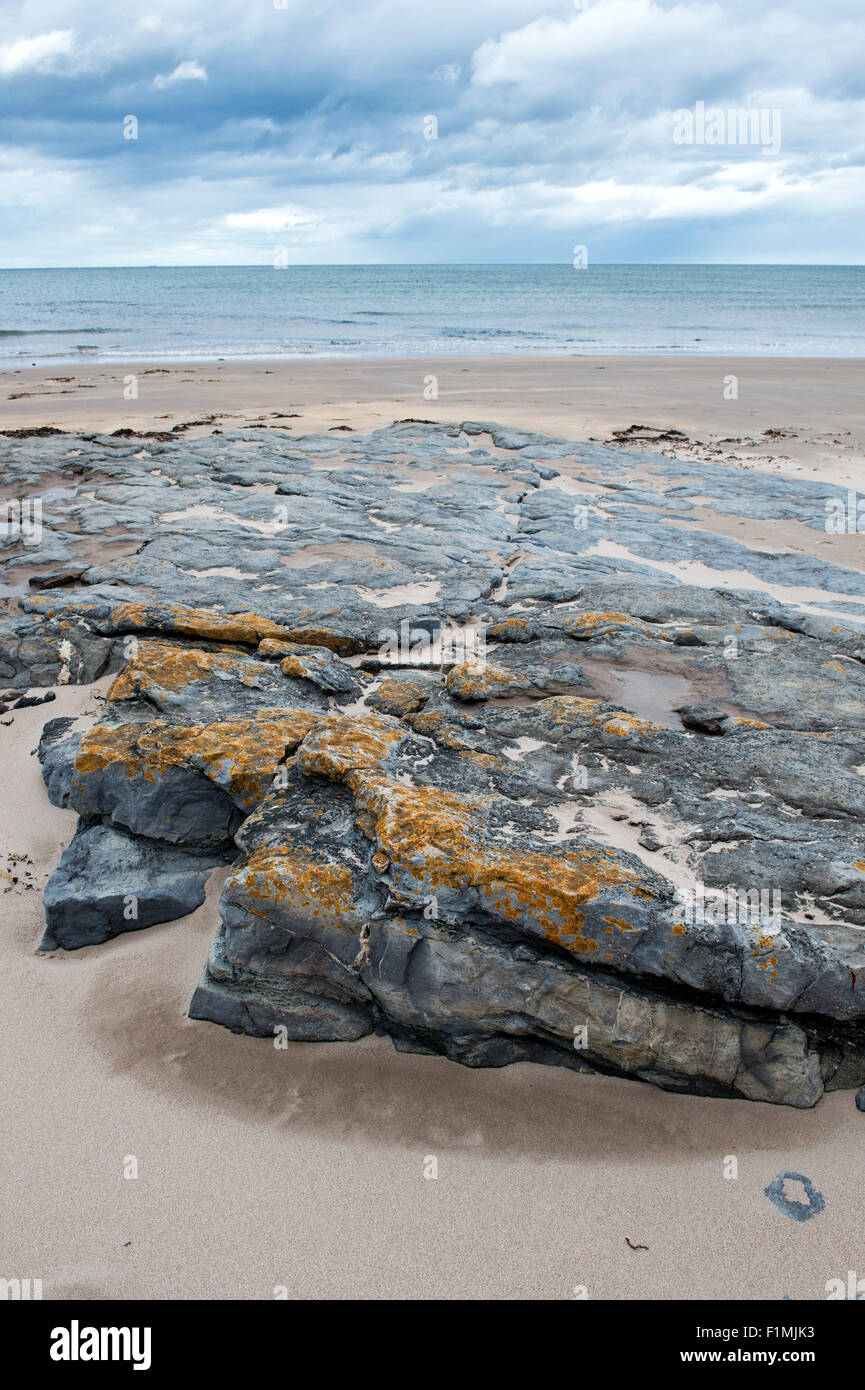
x: 657, y: 693
x: 652, y: 695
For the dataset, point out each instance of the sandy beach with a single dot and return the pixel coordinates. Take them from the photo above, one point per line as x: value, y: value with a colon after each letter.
x: 801, y: 416
x: 303, y: 1169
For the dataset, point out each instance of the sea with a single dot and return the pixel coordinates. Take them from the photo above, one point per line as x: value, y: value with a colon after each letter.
x: 201, y: 313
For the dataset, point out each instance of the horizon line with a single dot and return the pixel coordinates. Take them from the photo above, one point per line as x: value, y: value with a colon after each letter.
x: 438, y: 265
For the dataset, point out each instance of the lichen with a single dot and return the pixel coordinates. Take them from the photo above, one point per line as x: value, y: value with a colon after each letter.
x: 343, y: 746
x: 399, y: 697
x: 247, y: 629
x: 311, y: 886
x: 437, y: 839
x: 239, y: 754
x: 475, y: 680
x: 573, y: 710
x: 165, y: 666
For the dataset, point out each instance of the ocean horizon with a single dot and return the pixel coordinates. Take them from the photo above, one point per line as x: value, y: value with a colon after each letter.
x: 195, y: 313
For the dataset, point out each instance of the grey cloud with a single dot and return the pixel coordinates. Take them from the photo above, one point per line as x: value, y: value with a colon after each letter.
x: 553, y: 127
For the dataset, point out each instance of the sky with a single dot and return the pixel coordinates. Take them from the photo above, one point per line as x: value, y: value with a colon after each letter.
x: 345, y: 131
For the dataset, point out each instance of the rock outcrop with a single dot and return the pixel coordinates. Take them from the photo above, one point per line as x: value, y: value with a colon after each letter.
x: 513, y: 756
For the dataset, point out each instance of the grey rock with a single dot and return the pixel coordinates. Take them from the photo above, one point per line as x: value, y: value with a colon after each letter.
x: 480, y: 858
x: 705, y: 718
x: 109, y: 883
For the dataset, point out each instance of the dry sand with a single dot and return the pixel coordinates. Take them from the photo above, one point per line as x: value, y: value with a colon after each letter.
x: 304, y: 1167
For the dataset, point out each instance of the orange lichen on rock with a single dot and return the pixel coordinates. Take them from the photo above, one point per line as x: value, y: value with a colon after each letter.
x: 619, y: 922
x: 246, y: 628
x: 275, y: 646
x: 301, y: 665
x: 508, y: 627
x: 429, y: 723
x: 624, y: 723
x: 586, y: 625
x: 324, y: 637
x: 300, y: 660
x: 242, y: 754
x: 312, y: 887
x: 239, y: 754
x: 435, y: 838
x: 476, y: 680
x: 447, y: 735
x: 485, y: 760
x: 163, y: 666
x: 103, y: 746
x: 574, y: 709
x: 399, y: 697
x: 341, y: 747
x: 568, y: 709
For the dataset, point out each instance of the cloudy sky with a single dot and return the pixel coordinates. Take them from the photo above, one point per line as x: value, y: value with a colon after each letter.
x: 305, y: 127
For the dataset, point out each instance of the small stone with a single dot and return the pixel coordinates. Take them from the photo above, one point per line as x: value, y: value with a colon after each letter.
x: 705, y: 718
x: 28, y: 701
x: 55, y: 579
x: 650, y: 839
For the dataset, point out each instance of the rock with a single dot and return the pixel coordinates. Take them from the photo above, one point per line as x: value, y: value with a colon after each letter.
x: 154, y: 772
x: 705, y: 718
x: 480, y: 680
x: 109, y: 883
x: 55, y: 579
x: 520, y: 848
x: 403, y: 694
x: 38, y: 653
x: 29, y: 701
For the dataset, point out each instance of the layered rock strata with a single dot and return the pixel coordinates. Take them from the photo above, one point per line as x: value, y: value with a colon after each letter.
x: 513, y: 752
